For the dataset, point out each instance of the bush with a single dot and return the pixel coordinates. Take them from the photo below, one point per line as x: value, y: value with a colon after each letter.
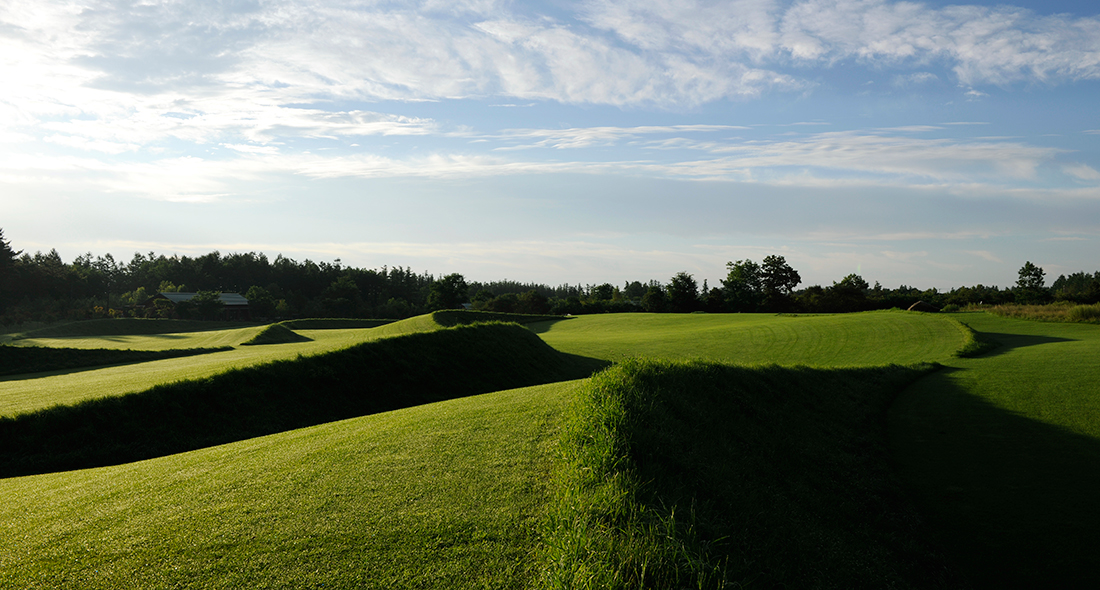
x: 950, y: 307
x: 1084, y: 313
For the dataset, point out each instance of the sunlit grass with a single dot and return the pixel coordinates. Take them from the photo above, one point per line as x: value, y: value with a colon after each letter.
x: 439, y: 496
x: 864, y: 339
x: 22, y: 394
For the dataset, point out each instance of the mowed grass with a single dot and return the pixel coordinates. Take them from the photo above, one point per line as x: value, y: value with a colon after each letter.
x: 440, y: 496
x: 1002, y: 450
x: 863, y: 339
x: 24, y: 393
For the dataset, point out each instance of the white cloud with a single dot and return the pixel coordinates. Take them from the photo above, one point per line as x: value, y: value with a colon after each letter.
x: 915, y: 79
x: 1081, y: 171
x: 600, y: 136
x: 985, y: 255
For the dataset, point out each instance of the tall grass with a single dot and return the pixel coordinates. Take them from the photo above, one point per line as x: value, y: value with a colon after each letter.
x: 1055, y: 312
x: 701, y: 475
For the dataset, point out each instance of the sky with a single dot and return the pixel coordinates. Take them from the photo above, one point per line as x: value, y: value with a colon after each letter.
x: 928, y: 144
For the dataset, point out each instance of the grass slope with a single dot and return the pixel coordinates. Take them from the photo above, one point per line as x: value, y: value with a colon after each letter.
x: 702, y: 475
x: 863, y: 339
x: 252, y: 401
x: 444, y: 495
x: 1002, y: 451
x: 126, y: 327
x: 25, y: 393
x: 19, y: 360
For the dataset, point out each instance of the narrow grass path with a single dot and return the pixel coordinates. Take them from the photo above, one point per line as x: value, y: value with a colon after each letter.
x: 863, y: 339
x: 1002, y: 452
x: 438, y: 496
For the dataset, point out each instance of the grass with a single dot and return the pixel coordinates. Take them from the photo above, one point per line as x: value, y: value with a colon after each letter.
x: 275, y: 334
x: 671, y: 473
x: 26, y: 393
x: 128, y: 326
x: 252, y: 401
x: 701, y: 475
x: 1001, y: 450
x: 17, y: 360
x: 445, y: 495
x: 864, y: 339
x: 1055, y: 312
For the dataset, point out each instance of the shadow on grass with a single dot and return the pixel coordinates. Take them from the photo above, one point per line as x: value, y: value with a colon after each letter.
x: 1012, y: 500
x: 1002, y: 343
x: 243, y: 403
x: 545, y: 326
x: 30, y: 362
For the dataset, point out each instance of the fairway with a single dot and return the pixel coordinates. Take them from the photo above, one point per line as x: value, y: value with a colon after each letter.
x: 1002, y: 451
x: 863, y: 339
x: 24, y: 393
x: 436, y: 496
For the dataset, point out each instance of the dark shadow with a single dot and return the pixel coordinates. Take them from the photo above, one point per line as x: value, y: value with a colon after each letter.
x: 283, y: 395
x: 32, y: 362
x: 544, y: 326
x: 1007, y: 342
x: 1013, y: 501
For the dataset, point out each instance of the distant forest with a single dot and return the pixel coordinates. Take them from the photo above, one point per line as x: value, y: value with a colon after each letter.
x: 42, y: 288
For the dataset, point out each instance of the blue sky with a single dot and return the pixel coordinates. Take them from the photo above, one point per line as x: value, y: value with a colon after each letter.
x: 928, y: 144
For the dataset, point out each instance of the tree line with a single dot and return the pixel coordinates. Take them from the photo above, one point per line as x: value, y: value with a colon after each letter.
x: 42, y: 288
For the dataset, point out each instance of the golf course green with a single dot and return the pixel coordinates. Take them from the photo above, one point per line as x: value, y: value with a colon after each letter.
x: 718, y: 451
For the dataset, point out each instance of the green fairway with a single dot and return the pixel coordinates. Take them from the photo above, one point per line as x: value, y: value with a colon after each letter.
x: 438, y: 496
x: 864, y: 339
x: 24, y: 393
x: 1002, y: 452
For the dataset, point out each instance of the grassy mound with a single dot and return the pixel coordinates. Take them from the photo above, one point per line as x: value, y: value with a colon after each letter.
x: 458, y: 317
x: 20, y: 360
x: 333, y: 323
x: 276, y: 334
x: 704, y: 475
x: 261, y: 399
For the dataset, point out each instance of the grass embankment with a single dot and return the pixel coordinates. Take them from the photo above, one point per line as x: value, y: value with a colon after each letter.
x: 1002, y: 451
x: 29, y: 392
x: 127, y: 327
x: 253, y: 401
x: 701, y: 475
x: 19, y: 360
x: 333, y: 323
x: 860, y: 339
x: 445, y: 495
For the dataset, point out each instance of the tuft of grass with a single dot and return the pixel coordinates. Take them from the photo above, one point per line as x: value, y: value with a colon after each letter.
x: 276, y: 334
x: 252, y: 401
x: 702, y: 475
x: 974, y: 343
